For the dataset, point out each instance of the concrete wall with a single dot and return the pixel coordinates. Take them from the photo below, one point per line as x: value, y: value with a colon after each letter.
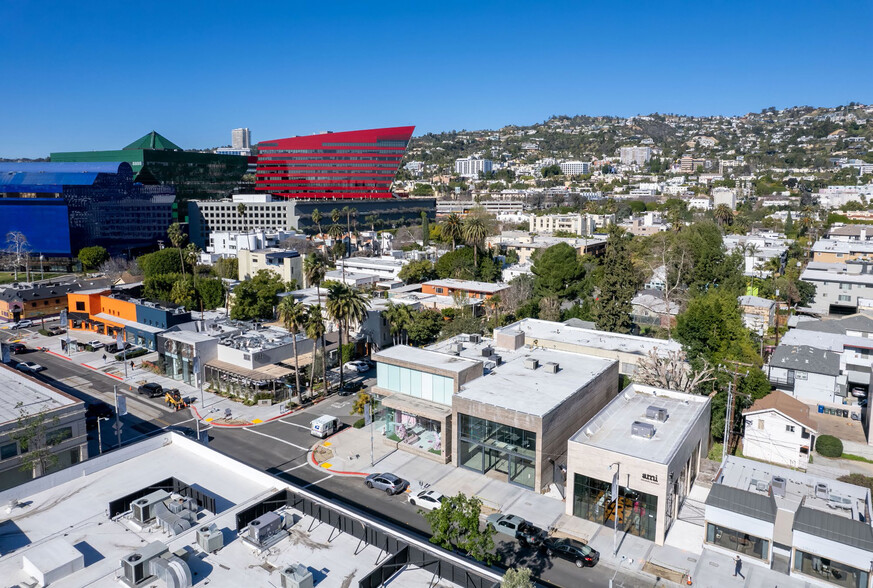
x: 773, y: 442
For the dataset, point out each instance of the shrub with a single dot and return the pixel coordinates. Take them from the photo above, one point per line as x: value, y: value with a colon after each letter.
x: 829, y: 446
x: 858, y: 480
x: 715, y: 451
x: 45, y: 333
x: 131, y: 353
x: 359, y: 424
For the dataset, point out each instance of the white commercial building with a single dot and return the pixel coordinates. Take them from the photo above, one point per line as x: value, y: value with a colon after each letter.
x: 578, y: 224
x: 699, y: 204
x: 229, y: 243
x: 635, y: 155
x: 241, y: 138
x: 575, y: 168
x: 469, y: 167
x: 724, y: 196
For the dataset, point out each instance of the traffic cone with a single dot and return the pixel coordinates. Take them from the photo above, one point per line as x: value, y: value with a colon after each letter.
x: 689, y: 582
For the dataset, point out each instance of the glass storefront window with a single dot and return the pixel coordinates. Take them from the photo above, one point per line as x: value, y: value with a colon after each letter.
x: 738, y: 541
x: 636, y: 512
x: 413, y: 430
x: 829, y: 571
x: 486, y: 446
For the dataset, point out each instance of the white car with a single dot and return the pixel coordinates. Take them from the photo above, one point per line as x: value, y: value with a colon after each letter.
x: 356, y: 366
x: 29, y: 367
x: 95, y: 344
x: 22, y: 324
x: 426, y: 499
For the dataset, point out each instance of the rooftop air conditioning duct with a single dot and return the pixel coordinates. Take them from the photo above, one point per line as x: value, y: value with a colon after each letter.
x: 210, y: 539
x: 531, y: 364
x: 657, y: 413
x: 144, y: 508
x: 644, y: 430
x: 475, y: 338
x: 777, y: 485
x: 297, y: 576
x: 136, y: 567
x: 552, y: 367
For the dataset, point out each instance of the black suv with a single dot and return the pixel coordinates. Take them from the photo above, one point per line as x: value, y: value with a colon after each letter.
x: 571, y: 550
x: 17, y: 348
x: 350, y: 388
x: 151, y: 390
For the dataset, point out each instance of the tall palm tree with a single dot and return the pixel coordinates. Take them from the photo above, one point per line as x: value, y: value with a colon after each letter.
x: 241, y: 211
x: 293, y: 316
x: 316, y: 218
x: 192, y: 254
x: 399, y: 318
x: 348, y: 212
x: 723, y: 214
x: 346, y: 306
x: 177, y: 238
x: 315, y: 330
x: 453, y: 228
x: 475, y: 232
x: 314, y: 270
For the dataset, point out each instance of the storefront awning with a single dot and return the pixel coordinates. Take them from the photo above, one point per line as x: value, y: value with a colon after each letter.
x: 418, y: 406
x: 269, y: 373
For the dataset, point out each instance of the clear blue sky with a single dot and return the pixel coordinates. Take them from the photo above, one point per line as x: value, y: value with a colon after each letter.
x: 83, y: 75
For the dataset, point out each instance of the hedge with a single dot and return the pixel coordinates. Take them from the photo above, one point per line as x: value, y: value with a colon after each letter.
x: 130, y: 354
x: 829, y: 446
x: 359, y: 424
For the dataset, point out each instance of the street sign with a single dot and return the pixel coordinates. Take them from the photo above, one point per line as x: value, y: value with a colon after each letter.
x: 63, y: 318
x: 121, y: 405
x: 118, y: 426
x: 368, y: 418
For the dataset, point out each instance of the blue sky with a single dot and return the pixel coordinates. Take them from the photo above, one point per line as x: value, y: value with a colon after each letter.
x: 97, y: 75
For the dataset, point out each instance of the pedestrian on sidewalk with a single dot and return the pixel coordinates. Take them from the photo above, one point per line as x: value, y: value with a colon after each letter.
x: 738, y: 569
x: 131, y: 364
x: 104, y: 359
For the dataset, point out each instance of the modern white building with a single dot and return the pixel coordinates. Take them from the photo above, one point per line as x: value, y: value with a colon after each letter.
x: 699, y: 204
x: 385, y: 268
x: 757, y: 250
x: 286, y: 263
x: 575, y: 168
x: 635, y: 155
x: 779, y: 429
x: 839, y: 285
x: 228, y: 244
x: 258, y: 212
x: 578, y: 224
x: 241, y: 138
x: 724, y: 196
x: 469, y: 167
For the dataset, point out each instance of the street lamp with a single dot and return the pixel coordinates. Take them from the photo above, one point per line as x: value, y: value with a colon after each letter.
x: 99, y: 439
x: 614, y: 492
x: 621, y: 563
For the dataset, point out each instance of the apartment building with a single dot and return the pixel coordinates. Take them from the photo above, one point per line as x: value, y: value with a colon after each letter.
x: 575, y: 168
x: 839, y: 285
x: 635, y: 155
x: 469, y: 167
x: 287, y: 264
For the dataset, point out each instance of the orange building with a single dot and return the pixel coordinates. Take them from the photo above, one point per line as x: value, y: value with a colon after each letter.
x: 467, y: 288
x: 39, y: 300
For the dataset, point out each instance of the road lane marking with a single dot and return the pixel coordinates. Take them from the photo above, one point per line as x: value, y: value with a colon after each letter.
x: 295, y: 424
x: 318, y: 482
x: 275, y: 438
x: 304, y: 464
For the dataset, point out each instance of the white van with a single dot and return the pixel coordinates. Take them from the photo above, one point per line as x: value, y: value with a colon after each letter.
x: 324, y: 426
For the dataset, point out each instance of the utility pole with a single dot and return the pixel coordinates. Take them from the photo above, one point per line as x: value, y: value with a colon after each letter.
x: 729, y: 409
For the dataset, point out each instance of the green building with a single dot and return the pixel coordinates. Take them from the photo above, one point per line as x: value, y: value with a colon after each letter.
x: 157, y: 160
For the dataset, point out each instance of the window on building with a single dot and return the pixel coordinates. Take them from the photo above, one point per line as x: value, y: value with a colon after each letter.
x: 80, y: 305
x: 637, y: 512
x: 738, y: 541
x: 8, y: 450
x: 761, y: 424
x: 789, y: 428
x: 845, y: 298
x: 832, y: 572
x: 58, y: 436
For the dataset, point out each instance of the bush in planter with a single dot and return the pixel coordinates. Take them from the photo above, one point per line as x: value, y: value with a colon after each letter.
x: 131, y: 353
x: 359, y: 424
x: 829, y: 446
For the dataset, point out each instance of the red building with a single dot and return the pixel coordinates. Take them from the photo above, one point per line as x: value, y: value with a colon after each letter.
x: 353, y: 164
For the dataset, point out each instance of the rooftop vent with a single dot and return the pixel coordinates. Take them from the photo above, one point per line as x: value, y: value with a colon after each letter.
x: 487, y: 351
x: 475, y: 338
x: 531, y: 363
x: 821, y: 491
x: 456, y: 348
x: 644, y: 430
x: 498, y: 359
x: 657, y: 413
x: 777, y: 485
x: 552, y: 367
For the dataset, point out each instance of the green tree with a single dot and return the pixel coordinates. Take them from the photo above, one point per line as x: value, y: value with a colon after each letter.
x: 159, y: 287
x: 210, y: 291
x: 453, y: 228
x: 712, y: 328
x: 184, y: 293
x: 517, y: 578
x: 422, y: 190
x: 256, y: 298
x: 316, y: 219
x: 192, y: 254
x: 416, y: 272
x: 425, y: 229
x: 399, y: 318
x: 425, y: 326
x: 788, y: 229
x: 92, y: 257
x: 346, y: 306
x: 617, y: 286
x: 455, y: 525
x: 709, y: 266
x: 558, y: 271
x: 723, y: 215
x: 165, y: 261
x: 475, y: 232
x: 551, y: 171
x: 754, y: 385
x: 315, y: 330
x: 457, y: 263
x: 241, y: 211
x: 35, y: 439
x: 177, y: 238
x: 293, y: 315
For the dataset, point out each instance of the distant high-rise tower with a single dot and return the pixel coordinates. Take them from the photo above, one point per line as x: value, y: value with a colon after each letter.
x: 241, y: 138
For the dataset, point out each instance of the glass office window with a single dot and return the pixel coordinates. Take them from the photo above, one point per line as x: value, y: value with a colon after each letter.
x: 832, y: 572
x: 738, y: 541
x: 634, y: 512
x: 415, y: 383
x: 414, y: 430
x: 488, y: 446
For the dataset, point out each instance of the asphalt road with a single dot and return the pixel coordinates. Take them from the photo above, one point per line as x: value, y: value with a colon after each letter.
x: 280, y: 448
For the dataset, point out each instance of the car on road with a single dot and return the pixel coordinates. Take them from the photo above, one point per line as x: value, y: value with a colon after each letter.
x: 516, y: 527
x: 17, y: 348
x: 427, y: 499
x: 22, y: 324
x: 56, y: 330
x: 95, y: 344
x: 350, y: 388
x: 390, y: 483
x: 29, y: 367
x: 356, y: 366
x: 571, y: 550
x: 369, y: 362
x: 151, y: 390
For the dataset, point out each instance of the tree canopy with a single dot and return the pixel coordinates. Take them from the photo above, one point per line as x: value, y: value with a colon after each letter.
x: 165, y: 261
x: 92, y: 257
x: 559, y: 271
x: 712, y: 328
x: 257, y: 297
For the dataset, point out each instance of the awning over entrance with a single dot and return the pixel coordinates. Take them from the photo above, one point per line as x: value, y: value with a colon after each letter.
x: 266, y: 374
x: 417, y: 406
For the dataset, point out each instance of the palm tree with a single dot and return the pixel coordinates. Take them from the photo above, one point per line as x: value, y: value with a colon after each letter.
x: 316, y: 218
x: 177, y: 238
x: 313, y: 272
x: 723, y: 214
x: 345, y: 305
x: 475, y: 232
x: 192, y: 254
x: 399, y: 317
x: 453, y: 228
x: 315, y: 331
x: 241, y: 211
x: 348, y: 212
x: 371, y: 220
x: 293, y: 316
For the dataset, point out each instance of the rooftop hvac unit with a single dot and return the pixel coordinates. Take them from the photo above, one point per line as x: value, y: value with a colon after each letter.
x: 456, y: 347
x: 644, y: 430
x: 210, y: 539
x: 172, y: 570
x: 144, y: 508
x: 552, y: 367
x: 487, y: 351
x: 182, y: 504
x: 264, y: 527
x: 297, y: 576
x: 777, y: 485
x: 136, y: 567
x: 531, y: 364
x: 656, y: 413
x: 821, y: 491
x: 498, y: 359
x: 475, y: 338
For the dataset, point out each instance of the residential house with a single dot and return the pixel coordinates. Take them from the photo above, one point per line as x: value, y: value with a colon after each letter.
x: 649, y: 307
x: 759, y: 314
x: 286, y: 263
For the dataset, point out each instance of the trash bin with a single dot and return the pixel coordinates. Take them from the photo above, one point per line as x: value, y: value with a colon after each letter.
x: 821, y: 408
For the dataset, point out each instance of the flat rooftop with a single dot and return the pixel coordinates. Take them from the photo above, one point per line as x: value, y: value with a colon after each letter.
x: 424, y: 358
x: 470, y: 285
x: 33, y: 395
x: 540, y: 330
x: 512, y: 386
x: 71, y: 506
x: 610, y: 429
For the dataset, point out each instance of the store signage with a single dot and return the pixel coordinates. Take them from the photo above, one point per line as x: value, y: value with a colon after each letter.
x: 650, y: 478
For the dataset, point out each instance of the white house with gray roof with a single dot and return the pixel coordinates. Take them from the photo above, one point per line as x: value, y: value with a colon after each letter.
x: 809, y: 374
x: 839, y: 285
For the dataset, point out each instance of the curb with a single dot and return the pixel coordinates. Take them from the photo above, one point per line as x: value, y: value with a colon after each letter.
x: 252, y: 424
x: 59, y: 355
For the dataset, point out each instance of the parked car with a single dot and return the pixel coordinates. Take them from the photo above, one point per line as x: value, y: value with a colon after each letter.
x: 95, y: 344
x: 22, y: 324
x: 57, y: 330
x: 390, y: 483
x: 427, y: 499
x: 516, y: 527
x: 356, y: 366
x: 369, y: 362
x: 96, y: 411
x: 17, y: 348
x: 29, y: 367
x: 151, y: 390
x: 350, y: 388
x: 571, y: 550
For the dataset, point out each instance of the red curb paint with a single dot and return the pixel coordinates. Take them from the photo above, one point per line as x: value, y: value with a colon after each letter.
x: 332, y: 471
x: 58, y: 355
